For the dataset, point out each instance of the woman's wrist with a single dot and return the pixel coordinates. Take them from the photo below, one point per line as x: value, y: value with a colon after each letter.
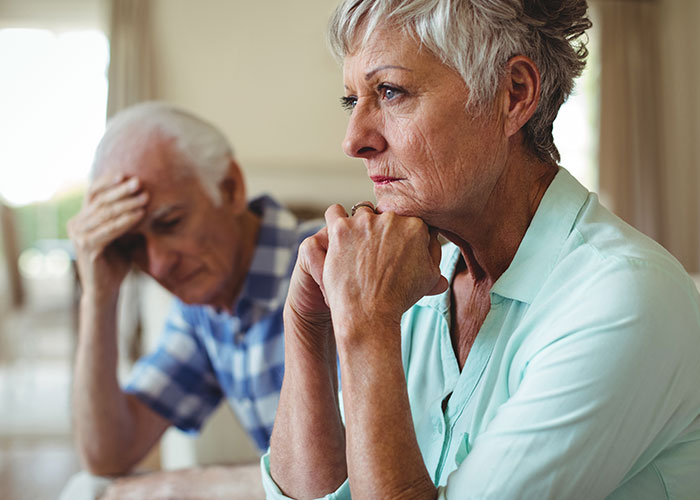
x: 361, y: 339
x: 309, y: 334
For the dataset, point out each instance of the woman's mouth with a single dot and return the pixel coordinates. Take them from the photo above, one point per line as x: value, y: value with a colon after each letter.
x: 383, y: 179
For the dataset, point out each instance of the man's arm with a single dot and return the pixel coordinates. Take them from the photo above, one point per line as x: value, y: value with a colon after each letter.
x: 113, y: 430
x: 239, y: 482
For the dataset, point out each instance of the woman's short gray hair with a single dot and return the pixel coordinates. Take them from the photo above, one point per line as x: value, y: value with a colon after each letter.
x: 477, y: 38
x: 196, y: 144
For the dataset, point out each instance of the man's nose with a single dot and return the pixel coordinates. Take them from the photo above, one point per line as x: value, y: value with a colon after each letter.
x: 364, y: 137
x: 161, y: 259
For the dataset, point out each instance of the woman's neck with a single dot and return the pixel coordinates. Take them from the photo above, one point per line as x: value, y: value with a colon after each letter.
x: 489, y: 244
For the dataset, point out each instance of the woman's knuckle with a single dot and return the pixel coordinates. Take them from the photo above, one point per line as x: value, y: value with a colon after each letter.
x: 414, y: 222
x: 343, y: 228
x: 331, y: 209
x: 307, y: 245
x: 310, y: 245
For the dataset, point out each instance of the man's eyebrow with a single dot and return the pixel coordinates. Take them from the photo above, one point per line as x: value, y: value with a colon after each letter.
x: 371, y: 73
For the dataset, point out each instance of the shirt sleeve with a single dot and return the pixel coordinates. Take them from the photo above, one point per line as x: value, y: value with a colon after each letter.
x: 272, y: 491
x: 602, y: 393
x: 177, y: 380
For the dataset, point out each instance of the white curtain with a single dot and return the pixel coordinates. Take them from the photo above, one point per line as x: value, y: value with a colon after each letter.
x: 131, y: 75
x: 649, y: 143
x: 629, y: 123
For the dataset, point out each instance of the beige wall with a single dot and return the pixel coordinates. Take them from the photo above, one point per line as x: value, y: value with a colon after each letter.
x: 261, y: 71
x: 53, y: 14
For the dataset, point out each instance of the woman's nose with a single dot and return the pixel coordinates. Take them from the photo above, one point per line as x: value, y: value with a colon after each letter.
x: 364, y: 137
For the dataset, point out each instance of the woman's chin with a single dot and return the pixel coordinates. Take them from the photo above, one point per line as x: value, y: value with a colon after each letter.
x: 399, y: 207
x: 391, y: 204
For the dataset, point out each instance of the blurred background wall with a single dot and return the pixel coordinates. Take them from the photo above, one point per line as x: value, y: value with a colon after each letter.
x: 262, y: 73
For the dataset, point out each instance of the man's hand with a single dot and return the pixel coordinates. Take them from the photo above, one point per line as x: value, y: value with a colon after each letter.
x: 204, y: 483
x: 113, y: 206
x: 113, y: 431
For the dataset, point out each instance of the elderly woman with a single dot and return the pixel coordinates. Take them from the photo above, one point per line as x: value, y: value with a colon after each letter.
x: 548, y: 351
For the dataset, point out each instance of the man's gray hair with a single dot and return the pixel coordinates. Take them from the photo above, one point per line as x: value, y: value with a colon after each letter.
x: 476, y: 38
x: 196, y: 144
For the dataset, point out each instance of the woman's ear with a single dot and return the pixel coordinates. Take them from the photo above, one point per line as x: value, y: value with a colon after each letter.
x: 521, y: 94
x: 232, y: 188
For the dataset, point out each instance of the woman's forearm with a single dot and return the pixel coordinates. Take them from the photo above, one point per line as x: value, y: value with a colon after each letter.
x: 307, y: 453
x: 384, y: 460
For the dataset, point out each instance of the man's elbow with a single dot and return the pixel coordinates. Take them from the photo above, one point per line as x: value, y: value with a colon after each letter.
x: 101, y: 463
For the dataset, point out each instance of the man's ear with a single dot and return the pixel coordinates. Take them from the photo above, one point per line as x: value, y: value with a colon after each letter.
x: 232, y: 188
x: 521, y: 93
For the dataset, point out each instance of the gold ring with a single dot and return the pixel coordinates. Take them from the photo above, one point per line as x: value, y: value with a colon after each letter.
x: 362, y: 204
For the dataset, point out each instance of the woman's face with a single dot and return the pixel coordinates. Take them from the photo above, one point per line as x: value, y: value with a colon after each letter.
x: 425, y: 153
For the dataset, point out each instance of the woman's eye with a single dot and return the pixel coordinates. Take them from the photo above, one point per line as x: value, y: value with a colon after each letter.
x: 389, y: 93
x: 348, y: 102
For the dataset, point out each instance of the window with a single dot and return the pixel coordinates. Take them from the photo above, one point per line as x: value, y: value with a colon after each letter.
x: 53, y: 93
x: 576, y: 127
x: 52, y: 110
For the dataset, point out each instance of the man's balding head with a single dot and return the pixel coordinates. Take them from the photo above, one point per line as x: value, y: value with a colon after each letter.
x: 193, y: 143
x: 169, y: 195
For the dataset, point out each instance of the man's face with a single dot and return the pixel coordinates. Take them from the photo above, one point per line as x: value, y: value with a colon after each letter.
x: 185, y: 242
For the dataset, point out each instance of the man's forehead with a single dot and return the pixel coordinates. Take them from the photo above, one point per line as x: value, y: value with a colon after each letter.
x: 166, y: 182
x: 137, y: 151
x: 139, y: 160
x: 158, y: 213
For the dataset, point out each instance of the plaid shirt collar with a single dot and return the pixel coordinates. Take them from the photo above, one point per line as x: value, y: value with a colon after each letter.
x: 265, y: 287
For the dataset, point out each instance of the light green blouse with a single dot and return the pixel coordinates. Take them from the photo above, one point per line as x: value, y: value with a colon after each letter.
x: 584, y: 380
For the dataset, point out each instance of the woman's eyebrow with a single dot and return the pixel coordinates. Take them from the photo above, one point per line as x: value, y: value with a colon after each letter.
x: 371, y: 73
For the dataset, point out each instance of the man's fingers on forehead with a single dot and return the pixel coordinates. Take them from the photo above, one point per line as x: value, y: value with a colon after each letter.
x: 115, y: 228
x: 109, y: 182
x: 113, y: 210
x: 127, y: 187
x: 104, y: 181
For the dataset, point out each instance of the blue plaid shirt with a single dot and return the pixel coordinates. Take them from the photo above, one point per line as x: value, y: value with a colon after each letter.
x: 205, y: 355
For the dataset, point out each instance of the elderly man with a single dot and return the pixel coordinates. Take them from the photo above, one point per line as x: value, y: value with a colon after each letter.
x: 168, y: 197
